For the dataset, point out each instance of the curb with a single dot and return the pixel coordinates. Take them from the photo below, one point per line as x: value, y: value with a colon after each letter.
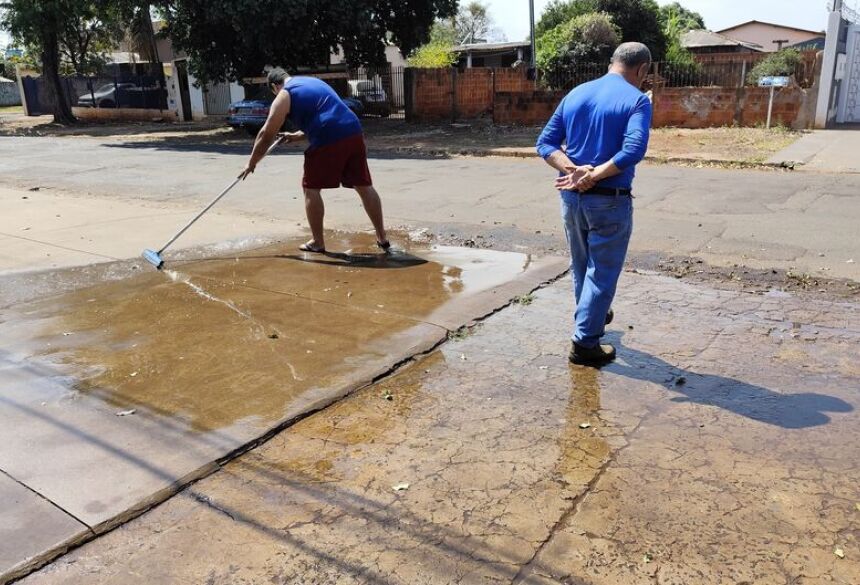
x: 526, y: 153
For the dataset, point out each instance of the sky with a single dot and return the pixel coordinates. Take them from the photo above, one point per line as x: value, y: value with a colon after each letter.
x: 512, y: 16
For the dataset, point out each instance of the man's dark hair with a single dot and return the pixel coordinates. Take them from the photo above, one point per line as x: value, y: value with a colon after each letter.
x: 631, y: 55
x: 277, y: 76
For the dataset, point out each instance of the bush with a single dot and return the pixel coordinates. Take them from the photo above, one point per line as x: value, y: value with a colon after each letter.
x: 585, y: 39
x: 432, y: 55
x: 783, y: 63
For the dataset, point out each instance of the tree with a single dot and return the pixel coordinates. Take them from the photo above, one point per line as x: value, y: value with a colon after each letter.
x: 681, y: 18
x: 88, y: 35
x: 587, y: 39
x: 475, y: 25
x: 781, y: 63
x: 40, y: 23
x: 233, y: 39
x: 676, y: 21
x: 638, y: 20
x: 437, y: 52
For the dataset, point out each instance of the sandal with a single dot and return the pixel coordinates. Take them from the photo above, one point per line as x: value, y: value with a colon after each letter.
x: 311, y: 246
x: 384, y: 246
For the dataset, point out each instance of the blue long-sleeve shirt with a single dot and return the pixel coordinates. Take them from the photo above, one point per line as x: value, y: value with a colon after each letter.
x: 605, y: 119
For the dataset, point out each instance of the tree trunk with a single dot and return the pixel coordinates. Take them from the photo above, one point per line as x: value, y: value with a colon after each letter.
x: 51, y: 71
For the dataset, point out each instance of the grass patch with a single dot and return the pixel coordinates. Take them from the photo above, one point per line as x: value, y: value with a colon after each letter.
x: 524, y: 300
x: 11, y: 109
x: 743, y: 145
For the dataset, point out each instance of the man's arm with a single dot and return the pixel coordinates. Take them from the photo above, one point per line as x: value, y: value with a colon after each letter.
x: 632, y: 150
x: 278, y: 112
x: 549, y: 148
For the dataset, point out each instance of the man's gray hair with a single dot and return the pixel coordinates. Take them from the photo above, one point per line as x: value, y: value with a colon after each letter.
x: 631, y: 54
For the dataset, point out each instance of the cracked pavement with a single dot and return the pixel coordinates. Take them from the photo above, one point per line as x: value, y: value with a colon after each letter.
x: 721, y: 448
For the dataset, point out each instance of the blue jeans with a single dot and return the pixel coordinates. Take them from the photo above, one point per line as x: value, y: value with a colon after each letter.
x: 598, y: 231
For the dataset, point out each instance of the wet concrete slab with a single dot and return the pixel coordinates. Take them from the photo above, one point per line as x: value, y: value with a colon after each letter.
x: 721, y: 447
x: 30, y: 525
x: 117, y: 395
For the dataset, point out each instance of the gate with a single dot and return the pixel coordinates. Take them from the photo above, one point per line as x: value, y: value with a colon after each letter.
x: 216, y: 99
x: 848, y: 110
x: 381, y: 90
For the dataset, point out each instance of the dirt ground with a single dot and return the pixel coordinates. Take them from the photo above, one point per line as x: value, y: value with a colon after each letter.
x: 748, y: 146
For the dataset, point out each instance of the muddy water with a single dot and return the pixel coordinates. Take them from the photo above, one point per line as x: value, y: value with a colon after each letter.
x: 221, y: 341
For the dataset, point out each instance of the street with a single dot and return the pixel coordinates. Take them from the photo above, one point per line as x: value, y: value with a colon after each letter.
x: 255, y: 414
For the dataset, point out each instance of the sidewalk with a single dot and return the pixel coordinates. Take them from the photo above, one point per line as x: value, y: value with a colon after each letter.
x: 117, y: 395
x: 824, y: 151
x: 720, y: 448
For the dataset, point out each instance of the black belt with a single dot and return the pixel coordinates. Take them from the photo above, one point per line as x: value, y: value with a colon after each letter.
x: 607, y: 191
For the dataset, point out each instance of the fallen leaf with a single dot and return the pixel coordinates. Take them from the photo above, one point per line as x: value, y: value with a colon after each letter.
x: 585, y: 425
x: 647, y: 557
x: 133, y: 374
x: 126, y: 412
x: 839, y: 552
x: 400, y: 487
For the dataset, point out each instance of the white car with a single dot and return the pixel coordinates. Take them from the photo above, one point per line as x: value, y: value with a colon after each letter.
x: 371, y: 95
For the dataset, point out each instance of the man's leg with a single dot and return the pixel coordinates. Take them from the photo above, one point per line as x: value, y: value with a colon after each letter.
x: 315, y: 210
x: 373, y: 206
x: 576, y: 240
x: 610, y: 223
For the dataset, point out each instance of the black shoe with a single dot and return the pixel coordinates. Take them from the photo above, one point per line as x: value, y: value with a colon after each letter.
x: 591, y: 356
x: 610, y: 316
x: 384, y: 246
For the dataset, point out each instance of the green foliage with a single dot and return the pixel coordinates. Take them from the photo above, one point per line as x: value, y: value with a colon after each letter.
x: 434, y: 54
x: 232, y: 39
x: 589, y: 38
x: 638, y: 20
x: 677, y: 20
x: 682, y: 18
x: 781, y: 63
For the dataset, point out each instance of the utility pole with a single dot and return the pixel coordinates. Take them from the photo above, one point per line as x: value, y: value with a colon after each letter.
x: 532, y: 61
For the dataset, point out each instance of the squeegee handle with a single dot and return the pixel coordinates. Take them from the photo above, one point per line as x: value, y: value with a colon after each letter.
x: 216, y: 200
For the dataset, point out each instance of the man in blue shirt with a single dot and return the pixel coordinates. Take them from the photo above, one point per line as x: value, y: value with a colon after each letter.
x: 337, y: 155
x: 604, y: 127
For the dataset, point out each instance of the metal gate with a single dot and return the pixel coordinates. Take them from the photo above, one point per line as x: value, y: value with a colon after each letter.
x: 848, y: 110
x: 216, y: 99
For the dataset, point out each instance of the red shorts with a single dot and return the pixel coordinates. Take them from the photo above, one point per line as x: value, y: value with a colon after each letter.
x: 340, y: 163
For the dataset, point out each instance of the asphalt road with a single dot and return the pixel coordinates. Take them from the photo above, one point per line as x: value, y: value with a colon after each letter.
x: 762, y: 219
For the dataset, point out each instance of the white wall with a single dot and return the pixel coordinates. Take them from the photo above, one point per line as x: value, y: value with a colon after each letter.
x: 198, y: 109
x: 237, y: 92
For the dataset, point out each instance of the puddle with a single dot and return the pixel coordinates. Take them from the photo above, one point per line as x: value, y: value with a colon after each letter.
x: 245, y: 339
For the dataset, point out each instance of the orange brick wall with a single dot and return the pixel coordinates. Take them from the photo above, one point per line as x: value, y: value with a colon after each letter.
x: 517, y: 101
x: 708, y: 107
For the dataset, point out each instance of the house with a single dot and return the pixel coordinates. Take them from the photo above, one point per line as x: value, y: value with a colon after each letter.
x: 771, y: 37
x: 702, y: 42
x: 9, y: 95
x: 493, y: 54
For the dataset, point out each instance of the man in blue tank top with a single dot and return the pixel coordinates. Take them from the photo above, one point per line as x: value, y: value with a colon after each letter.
x: 595, y: 139
x: 336, y: 156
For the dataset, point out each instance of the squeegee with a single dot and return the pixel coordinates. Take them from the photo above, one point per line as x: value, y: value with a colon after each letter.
x: 155, y: 258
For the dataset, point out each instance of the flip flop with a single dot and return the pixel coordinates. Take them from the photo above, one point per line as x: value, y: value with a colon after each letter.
x: 311, y: 247
x: 384, y: 246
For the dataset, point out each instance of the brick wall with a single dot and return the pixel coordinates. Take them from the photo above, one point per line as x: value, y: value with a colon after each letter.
x: 708, y: 107
x: 525, y: 108
x: 516, y: 101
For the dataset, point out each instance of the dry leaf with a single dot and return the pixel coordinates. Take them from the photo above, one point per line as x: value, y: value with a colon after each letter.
x: 400, y: 487
x: 585, y: 425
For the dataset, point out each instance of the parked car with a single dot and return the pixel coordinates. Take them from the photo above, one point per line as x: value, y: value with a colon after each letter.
x: 371, y: 96
x: 105, y: 96
x: 251, y: 114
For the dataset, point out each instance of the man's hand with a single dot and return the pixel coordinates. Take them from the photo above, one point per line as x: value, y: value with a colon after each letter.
x: 573, y: 177
x: 291, y: 136
x: 249, y: 169
x: 587, y: 181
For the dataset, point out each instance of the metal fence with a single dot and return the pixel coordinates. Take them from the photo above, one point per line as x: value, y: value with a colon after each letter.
x: 380, y: 90
x: 665, y: 74
x: 139, y: 86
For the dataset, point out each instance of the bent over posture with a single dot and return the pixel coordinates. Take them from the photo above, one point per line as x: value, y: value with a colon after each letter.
x: 337, y: 155
x: 604, y: 125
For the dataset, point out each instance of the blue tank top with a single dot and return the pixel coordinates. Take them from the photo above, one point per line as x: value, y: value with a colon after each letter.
x: 317, y: 111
